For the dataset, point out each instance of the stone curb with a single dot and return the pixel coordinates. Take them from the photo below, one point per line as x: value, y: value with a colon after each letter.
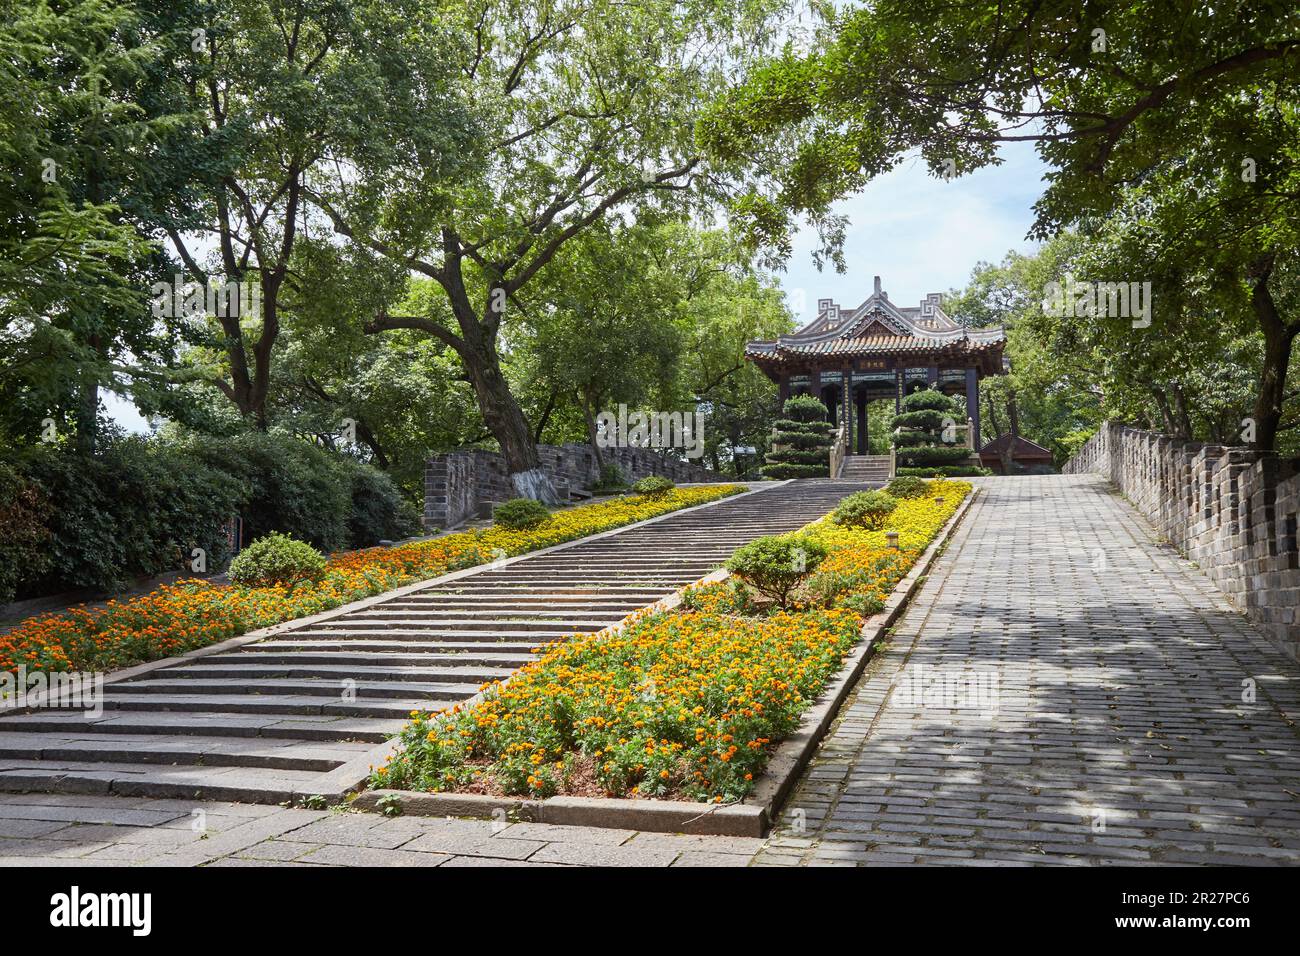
x: 252, y: 637
x: 750, y: 819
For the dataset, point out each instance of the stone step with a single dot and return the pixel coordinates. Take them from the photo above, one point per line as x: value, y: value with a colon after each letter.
x: 428, y: 634
x: 353, y: 658
x: 205, y: 751
x: 162, y: 723
x: 262, y: 669
x: 239, y: 784
x: 296, y: 705
x: 465, y: 630
x: 485, y: 652
x: 313, y: 688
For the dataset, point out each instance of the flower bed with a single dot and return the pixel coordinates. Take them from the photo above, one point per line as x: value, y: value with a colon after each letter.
x: 686, y: 703
x: 180, y: 617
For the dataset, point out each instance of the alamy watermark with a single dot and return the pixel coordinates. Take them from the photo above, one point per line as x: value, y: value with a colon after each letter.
x: 684, y: 430
x: 183, y: 298
x: 1112, y: 300
x: 62, y: 689
x: 948, y: 689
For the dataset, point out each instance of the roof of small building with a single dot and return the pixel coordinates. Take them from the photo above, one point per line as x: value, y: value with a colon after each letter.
x: 879, y: 328
x: 1023, y: 448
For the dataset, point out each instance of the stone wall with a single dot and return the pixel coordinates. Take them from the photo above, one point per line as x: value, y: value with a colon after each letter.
x: 1231, y: 510
x: 466, y: 483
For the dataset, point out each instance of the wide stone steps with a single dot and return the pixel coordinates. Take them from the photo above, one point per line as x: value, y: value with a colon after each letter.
x: 301, y: 712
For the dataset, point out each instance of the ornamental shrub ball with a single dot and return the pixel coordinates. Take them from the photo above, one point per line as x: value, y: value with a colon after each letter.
x: 774, y: 565
x: 277, y: 559
x: 653, y: 486
x: 520, y: 514
x: 864, y: 509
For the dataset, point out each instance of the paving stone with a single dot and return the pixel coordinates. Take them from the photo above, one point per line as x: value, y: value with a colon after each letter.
x: 587, y: 854
x: 371, y: 856
x: 464, y: 845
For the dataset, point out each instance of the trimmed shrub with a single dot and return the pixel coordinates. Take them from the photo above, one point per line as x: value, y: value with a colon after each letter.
x: 520, y: 514
x: 907, y: 486
x: 946, y: 471
x: 277, y: 559
x: 801, y: 444
x: 864, y: 509
x: 774, y: 565
x: 919, y: 437
x: 653, y: 486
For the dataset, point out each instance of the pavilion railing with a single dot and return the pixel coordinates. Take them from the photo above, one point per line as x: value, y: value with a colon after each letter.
x: 839, y: 449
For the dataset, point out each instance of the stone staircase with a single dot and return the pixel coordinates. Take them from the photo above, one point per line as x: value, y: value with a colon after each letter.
x: 866, y: 469
x: 306, y: 710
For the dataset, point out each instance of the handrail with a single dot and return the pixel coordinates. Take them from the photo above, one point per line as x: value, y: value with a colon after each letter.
x: 839, y: 449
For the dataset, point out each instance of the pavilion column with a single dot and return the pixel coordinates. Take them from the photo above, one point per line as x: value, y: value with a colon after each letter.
x: 932, y: 376
x: 815, y: 386
x: 863, y: 437
x: 846, y: 406
x: 973, y: 405
x: 783, y: 388
x: 898, y: 390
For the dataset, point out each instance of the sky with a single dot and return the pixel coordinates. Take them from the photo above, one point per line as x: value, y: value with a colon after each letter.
x: 921, y: 234
x: 918, y: 233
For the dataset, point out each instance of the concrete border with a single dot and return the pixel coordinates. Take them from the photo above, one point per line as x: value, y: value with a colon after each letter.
x: 752, y: 818
x: 252, y: 637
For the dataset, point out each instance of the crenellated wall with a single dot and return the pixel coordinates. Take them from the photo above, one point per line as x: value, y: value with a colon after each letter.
x: 464, y: 484
x: 1231, y: 510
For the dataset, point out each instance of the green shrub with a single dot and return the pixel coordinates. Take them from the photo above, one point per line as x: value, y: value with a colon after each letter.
x: 137, y: 508
x: 653, y: 486
x: 774, y: 565
x: 520, y: 514
x: 802, y: 441
x: 378, y: 512
x: 945, y: 471
x: 908, y: 486
x: 277, y: 559
x: 864, y: 509
x: 930, y: 399
x: 24, y: 531
x: 932, y: 454
x: 611, y: 476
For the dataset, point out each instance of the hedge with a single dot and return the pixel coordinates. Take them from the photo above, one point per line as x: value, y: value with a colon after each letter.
x: 140, y: 506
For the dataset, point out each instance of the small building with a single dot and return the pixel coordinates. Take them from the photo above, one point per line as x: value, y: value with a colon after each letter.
x: 1027, y: 457
x: 850, y: 357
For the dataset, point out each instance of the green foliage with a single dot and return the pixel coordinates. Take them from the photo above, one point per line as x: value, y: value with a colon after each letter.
x: 277, y: 559
x: 806, y: 409
x: 378, y: 511
x: 611, y: 476
x: 864, y: 509
x: 653, y: 486
x: 908, y: 486
x: 774, y: 565
x: 24, y: 531
x: 923, y: 435
x: 520, y: 514
x: 945, y: 471
x: 137, y: 508
x: 802, y: 441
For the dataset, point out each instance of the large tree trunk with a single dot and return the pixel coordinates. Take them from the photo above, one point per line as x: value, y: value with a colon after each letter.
x: 1278, y: 338
x: 505, y: 419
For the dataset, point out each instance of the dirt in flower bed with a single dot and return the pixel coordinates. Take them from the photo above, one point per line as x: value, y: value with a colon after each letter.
x: 180, y: 617
x: 680, y: 704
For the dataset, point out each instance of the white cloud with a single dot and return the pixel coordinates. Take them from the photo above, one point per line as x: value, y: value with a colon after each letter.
x: 921, y: 234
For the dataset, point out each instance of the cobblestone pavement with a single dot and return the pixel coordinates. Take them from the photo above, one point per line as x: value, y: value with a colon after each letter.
x: 1065, y: 690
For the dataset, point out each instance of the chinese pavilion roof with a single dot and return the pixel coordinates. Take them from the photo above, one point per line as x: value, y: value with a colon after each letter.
x: 879, y: 329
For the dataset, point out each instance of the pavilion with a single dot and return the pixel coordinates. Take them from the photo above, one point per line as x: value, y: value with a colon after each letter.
x: 850, y: 357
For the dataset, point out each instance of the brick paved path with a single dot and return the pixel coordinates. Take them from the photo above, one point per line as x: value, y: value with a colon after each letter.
x: 1120, y: 734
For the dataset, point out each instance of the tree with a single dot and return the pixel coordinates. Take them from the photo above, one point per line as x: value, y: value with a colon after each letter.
x: 588, y: 109
x: 1114, y: 95
x: 290, y: 93
x: 85, y: 112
